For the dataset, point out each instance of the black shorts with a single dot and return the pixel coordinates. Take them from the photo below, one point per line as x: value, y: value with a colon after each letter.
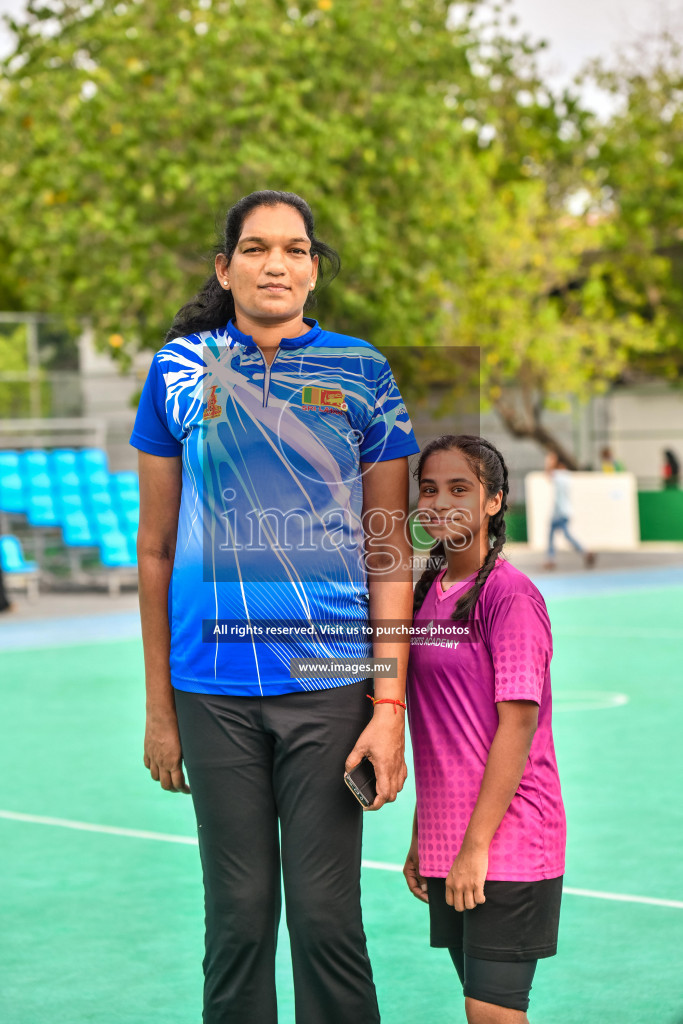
x: 518, y: 921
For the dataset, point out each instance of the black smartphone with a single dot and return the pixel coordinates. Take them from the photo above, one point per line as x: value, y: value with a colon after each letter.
x: 362, y: 783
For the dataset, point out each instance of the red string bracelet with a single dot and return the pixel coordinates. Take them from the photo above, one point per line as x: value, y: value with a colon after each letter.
x: 387, y: 700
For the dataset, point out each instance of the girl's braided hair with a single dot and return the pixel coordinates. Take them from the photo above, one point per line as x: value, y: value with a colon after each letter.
x: 486, y: 461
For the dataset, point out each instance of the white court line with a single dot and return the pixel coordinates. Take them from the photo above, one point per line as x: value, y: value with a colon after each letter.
x: 379, y: 865
x: 588, y: 700
x: 85, y: 826
x: 653, y: 901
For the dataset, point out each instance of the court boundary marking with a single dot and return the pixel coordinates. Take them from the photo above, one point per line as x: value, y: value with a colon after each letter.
x: 565, y: 701
x: 378, y: 865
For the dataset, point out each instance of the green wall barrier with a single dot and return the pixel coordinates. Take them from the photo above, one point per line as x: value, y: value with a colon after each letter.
x: 515, y: 523
x: 661, y: 515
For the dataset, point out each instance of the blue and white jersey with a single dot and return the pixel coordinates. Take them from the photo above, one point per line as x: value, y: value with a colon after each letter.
x: 269, y: 529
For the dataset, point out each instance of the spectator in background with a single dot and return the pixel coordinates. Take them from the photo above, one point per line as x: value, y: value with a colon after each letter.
x: 671, y: 472
x: 5, y: 606
x: 562, y: 511
x: 608, y: 464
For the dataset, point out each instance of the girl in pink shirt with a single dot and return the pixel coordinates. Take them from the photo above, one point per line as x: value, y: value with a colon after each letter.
x: 488, y: 843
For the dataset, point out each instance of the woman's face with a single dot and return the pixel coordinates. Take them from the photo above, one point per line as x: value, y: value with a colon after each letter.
x: 271, y: 272
x: 452, y: 500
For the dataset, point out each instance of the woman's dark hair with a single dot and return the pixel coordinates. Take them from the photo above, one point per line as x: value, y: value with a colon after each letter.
x: 485, y: 460
x: 213, y: 307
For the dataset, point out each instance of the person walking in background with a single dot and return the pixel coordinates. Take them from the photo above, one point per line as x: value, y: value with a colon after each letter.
x: 671, y: 472
x: 488, y: 844
x: 560, y: 476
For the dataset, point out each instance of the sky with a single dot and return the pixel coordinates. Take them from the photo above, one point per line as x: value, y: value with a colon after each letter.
x: 583, y: 29
x: 580, y: 30
x: 576, y: 31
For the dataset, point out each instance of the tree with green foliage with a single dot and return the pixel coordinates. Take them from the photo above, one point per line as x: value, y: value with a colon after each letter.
x: 636, y: 162
x: 14, y: 371
x: 437, y: 160
x: 127, y: 129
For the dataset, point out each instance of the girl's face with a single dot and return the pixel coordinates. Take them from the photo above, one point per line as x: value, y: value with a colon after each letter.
x: 452, y: 502
x: 271, y: 273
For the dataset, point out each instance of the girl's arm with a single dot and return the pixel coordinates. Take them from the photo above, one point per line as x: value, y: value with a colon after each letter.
x: 411, y: 869
x: 389, y: 556
x: 160, y: 487
x: 517, y: 723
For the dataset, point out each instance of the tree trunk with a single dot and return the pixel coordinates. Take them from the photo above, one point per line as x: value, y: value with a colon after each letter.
x: 527, y: 423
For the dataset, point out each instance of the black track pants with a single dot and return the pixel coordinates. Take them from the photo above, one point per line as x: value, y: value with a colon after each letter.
x: 253, y: 763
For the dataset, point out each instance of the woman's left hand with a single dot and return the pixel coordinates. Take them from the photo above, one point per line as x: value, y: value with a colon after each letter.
x: 383, y: 742
x: 465, y: 882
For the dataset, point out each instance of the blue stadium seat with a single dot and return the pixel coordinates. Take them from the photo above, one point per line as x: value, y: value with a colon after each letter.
x: 130, y: 518
x: 77, y: 530
x: 68, y: 486
x: 95, y: 457
x: 103, y: 522
x: 69, y: 501
x: 126, y: 493
x: 9, y: 462
x: 93, y: 467
x: 12, y: 496
x: 128, y: 502
x: 99, y: 499
x: 125, y: 484
x: 116, y: 551
x: 95, y: 479
x: 42, y: 510
x: 64, y: 469
x: 12, y: 556
x: 34, y: 471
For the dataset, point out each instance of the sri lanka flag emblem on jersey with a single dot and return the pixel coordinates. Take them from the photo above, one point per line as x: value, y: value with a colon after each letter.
x: 325, y: 398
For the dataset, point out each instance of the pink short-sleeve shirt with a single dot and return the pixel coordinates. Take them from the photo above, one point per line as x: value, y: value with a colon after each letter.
x: 453, y: 688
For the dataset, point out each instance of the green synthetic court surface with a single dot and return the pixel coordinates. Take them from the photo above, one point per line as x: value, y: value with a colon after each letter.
x: 106, y: 927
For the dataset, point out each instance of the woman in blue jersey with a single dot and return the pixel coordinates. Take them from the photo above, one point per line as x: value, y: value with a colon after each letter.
x: 267, y: 445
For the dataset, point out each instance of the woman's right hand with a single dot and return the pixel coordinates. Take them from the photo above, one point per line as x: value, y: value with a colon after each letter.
x: 411, y: 869
x: 163, y: 755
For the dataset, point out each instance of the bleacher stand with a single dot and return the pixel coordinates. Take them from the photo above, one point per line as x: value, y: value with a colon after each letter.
x: 15, y: 567
x: 72, y: 491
